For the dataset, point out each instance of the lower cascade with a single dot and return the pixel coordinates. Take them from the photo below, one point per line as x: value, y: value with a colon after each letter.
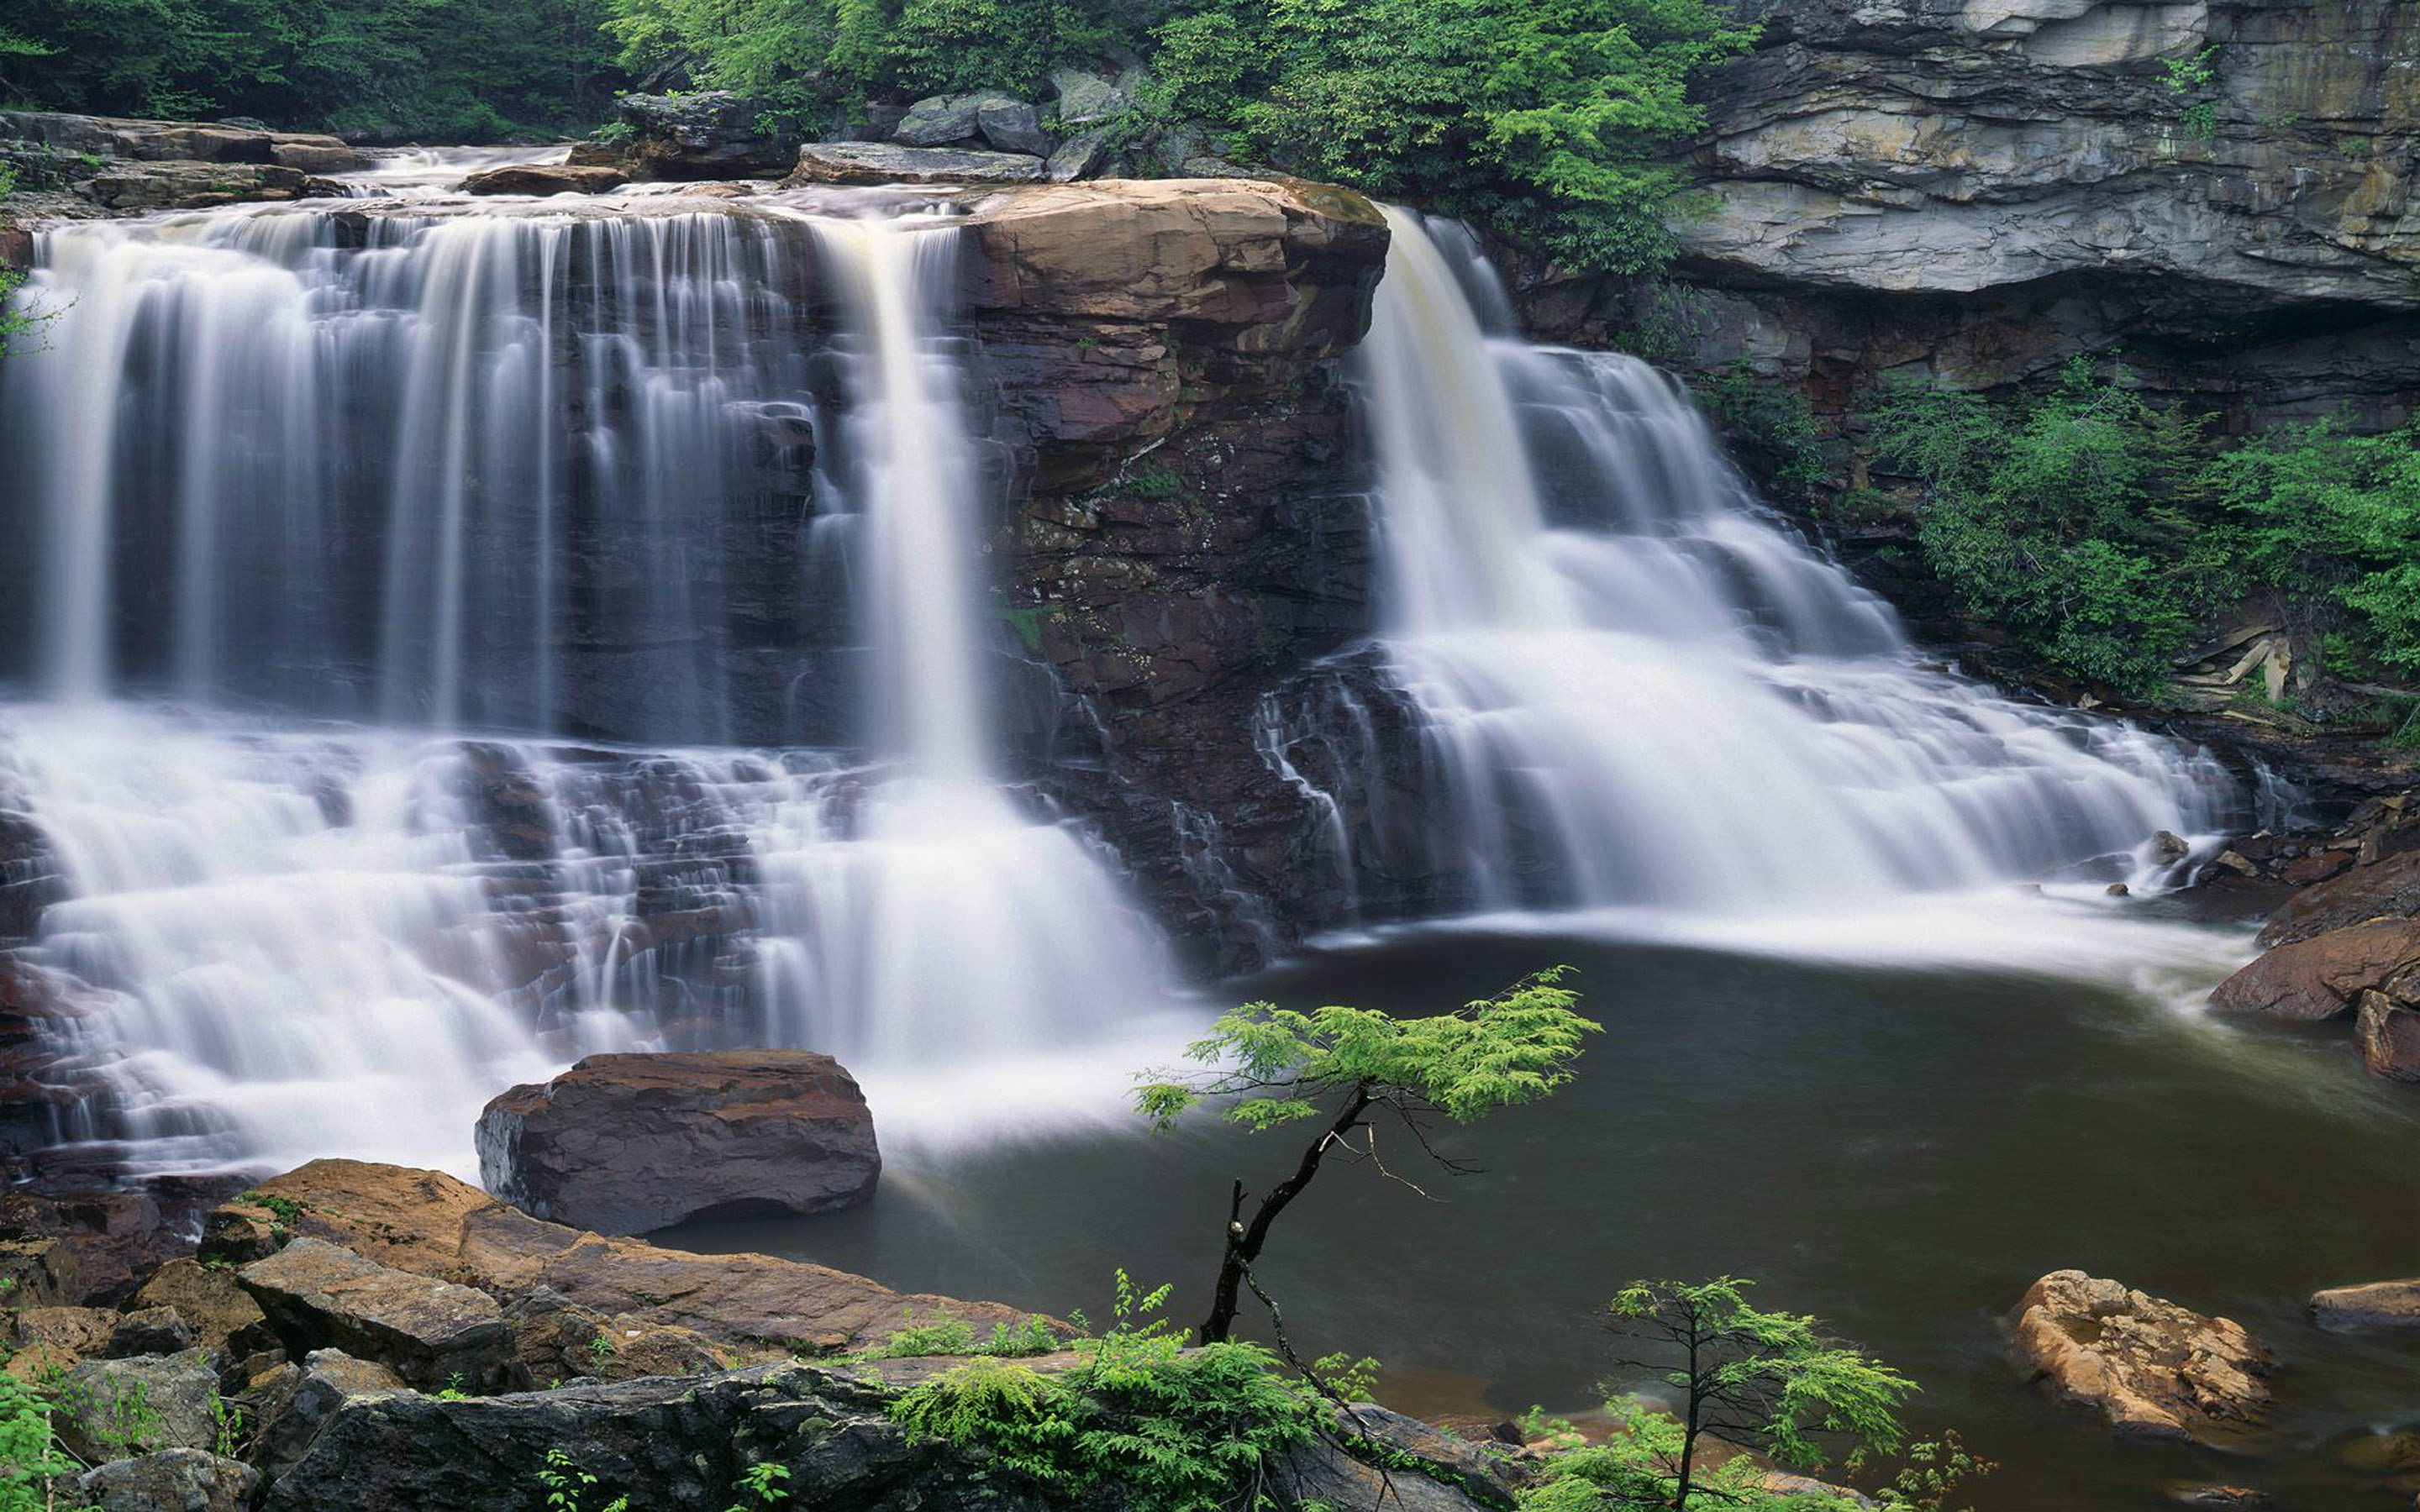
x: 1633, y: 687
x: 280, y: 938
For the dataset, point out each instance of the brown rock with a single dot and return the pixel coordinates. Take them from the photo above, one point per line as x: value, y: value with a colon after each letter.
x: 428, y: 1223
x: 433, y: 1333
x: 186, y: 186
x: 622, y: 1144
x: 546, y: 178
x: 2389, y: 888
x: 642, y: 1352
x: 2320, y: 976
x: 221, y: 1313
x: 2388, y: 1033
x: 2154, y: 1369
x: 53, y: 1338
x: 2317, y: 867
x: 2381, y: 1305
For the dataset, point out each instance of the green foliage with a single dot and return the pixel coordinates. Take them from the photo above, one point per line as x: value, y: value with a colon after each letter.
x: 2191, y: 76
x: 2096, y: 529
x: 1743, y: 1379
x: 452, y: 69
x: 761, y: 1485
x: 2068, y: 523
x: 566, y: 1484
x: 945, y: 1333
x: 2327, y: 515
x: 1176, y: 1430
x: 1769, y: 425
x: 30, y: 1454
x: 1516, y: 1047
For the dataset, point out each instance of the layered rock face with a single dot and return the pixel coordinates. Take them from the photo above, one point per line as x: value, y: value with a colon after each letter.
x: 1982, y: 188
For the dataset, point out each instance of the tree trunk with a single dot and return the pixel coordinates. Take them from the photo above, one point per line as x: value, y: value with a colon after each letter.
x: 1244, y: 1241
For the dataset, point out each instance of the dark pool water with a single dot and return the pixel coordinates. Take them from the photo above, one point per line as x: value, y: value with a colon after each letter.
x: 1899, y: 1150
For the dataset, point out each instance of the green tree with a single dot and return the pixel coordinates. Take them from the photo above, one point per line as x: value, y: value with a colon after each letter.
x: 1347, y: 1069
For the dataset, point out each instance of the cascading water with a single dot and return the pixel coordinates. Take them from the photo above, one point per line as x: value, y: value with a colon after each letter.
x: 1634, y: 689
x: 439, y: 465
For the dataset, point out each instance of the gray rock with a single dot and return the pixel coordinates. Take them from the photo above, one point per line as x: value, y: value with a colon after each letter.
x: 173, y: 1480
x: 1086, y: 97
x: 1082, y: 156
x: 623, y: 1143
x: 293, y: 1407
x: 110, y: 1409
x: 876, y: 162
x: 431, y: 1332
x: 151, y: 1330
x: 676, y: 1445
x: 943, y: 119
x: 713, y: 133
x: 1012, y: 126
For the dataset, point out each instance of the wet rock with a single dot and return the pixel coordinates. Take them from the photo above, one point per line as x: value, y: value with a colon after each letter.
x: 879, y: 162
x: 2154, y: 1369
x: 711, y: 133
x: 545, y: 178
x: 622, y: 1144
x: 2379, y: 1304
x: 2388, y: 1033
x: 431, y: 1224
x: 1086, y: 99
x: 173, y: 1480
x: 432, y: 1333
x: 2389, y: 888
x: 300, y: 1402
x: 192, y: 186
x: 221, y: 1313
x: 110, y: 1409
x: 151, y: 1330
x: 226, y: 141
x: 2224, y: 1498
x: 2321, y: 976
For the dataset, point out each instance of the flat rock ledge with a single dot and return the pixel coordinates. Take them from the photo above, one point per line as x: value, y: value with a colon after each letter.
x: 623, y: 1143
x: 2154, y: 1369
x: 879, y: 162
x: 2379, y: 1304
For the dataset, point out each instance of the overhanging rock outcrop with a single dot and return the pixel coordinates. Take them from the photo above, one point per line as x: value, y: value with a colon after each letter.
x: 2222, y: 189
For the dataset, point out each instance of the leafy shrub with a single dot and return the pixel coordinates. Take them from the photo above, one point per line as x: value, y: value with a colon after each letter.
x: 1770, y: 426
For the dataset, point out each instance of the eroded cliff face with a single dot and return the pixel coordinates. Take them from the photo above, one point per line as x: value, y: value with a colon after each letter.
x: 1980, y: 189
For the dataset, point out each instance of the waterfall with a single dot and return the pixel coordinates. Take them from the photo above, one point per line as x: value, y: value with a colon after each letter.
x: 322, y: 488
x: 1633, y: 686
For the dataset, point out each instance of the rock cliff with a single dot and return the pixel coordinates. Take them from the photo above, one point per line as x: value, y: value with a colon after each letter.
x: 2220, y: 191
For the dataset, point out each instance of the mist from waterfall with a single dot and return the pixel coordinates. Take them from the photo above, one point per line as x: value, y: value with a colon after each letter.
x: 447, y: 468
x: 1634, y: 688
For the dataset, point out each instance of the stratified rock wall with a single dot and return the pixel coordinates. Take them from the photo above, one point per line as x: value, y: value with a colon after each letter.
x: 1983, y: 189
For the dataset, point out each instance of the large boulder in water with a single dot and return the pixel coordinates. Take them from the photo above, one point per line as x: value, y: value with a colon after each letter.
x: 2386, y: 888
x: 622, y: 1144
x: 2380, y: 1304
x: 545, y: 178
x: 2154, y: 1369
x: 713, y: 133
x: 2323, y: 976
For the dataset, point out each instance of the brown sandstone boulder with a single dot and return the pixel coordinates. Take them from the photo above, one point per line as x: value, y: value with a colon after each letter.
x: 2154, y: 1369
x: 2381, y: 1304
x: 2388, y: 1033
x: 433, y: 1333
x: 428, y: 1223
x: 623, y: 1143
x: 2323, y: 975
x: 546, y: 178
x: 189, y: 186
x: 213, y: 1304
x: 2386, y: 888
x: 42, y: 1339
x: 149, y: 1330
